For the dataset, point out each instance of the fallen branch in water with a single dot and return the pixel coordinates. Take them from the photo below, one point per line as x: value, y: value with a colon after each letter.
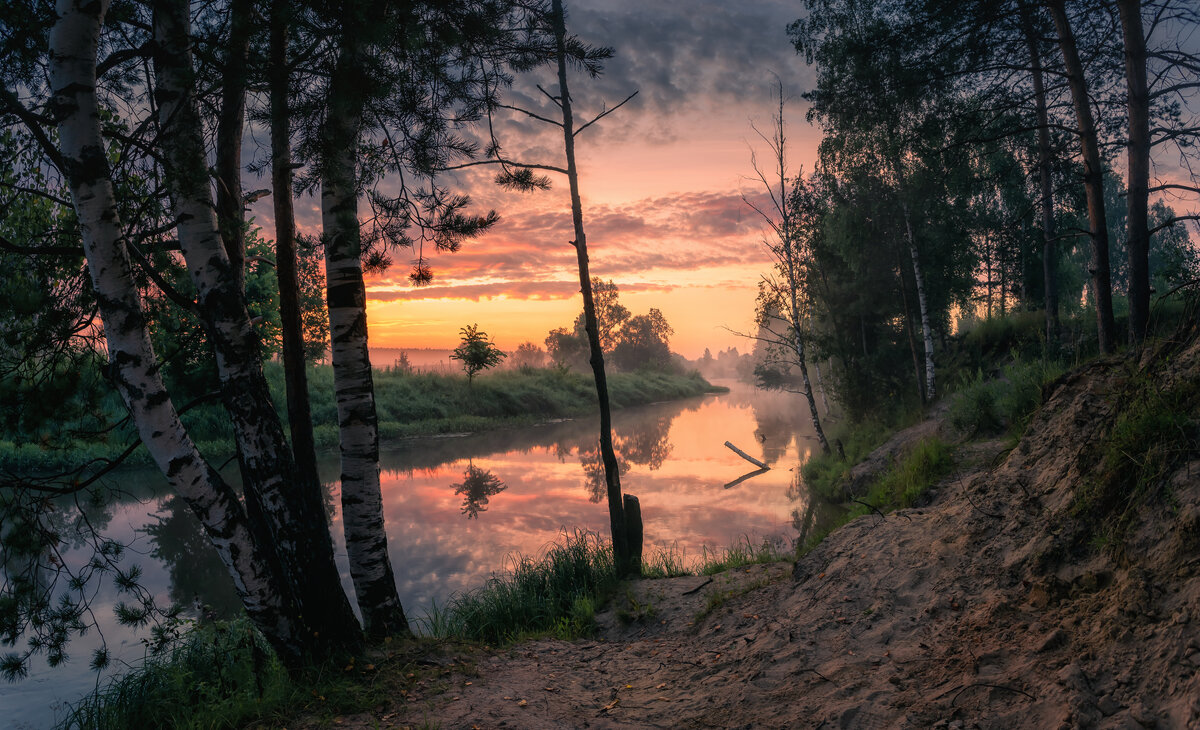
x: 746, y: 456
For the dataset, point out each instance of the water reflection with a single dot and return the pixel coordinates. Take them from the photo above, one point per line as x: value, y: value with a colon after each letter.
x: 198, y: 577
x: 476, y: 487
x: 671, y: 456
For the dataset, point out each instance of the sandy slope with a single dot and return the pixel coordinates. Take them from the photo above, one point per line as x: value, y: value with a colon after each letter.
x: 970, y: 612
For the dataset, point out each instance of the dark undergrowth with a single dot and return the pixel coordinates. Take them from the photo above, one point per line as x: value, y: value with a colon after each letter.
x: 1154, y: 432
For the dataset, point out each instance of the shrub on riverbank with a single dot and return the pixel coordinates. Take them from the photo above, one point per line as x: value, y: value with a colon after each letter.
x: 556, y: 593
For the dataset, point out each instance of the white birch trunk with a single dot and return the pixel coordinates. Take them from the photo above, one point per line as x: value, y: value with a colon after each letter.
x: 362, y: 498
x: 926, y: 330
x: 821, y: 387
x: 290, y: 510
x: 73, y: 46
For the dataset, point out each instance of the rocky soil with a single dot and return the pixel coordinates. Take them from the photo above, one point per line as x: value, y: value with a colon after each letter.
x: 979, y: 610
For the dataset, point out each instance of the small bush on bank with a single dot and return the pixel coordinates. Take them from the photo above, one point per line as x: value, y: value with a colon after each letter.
x: 902, y: 486
x: 983, y: 407
x: 823, y: 473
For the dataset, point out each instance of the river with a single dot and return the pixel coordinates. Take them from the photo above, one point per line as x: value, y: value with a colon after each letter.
x: 457, y: 507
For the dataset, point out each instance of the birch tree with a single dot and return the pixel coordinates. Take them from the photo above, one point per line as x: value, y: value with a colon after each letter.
x: 362, y: 498
x: 247, y: 556
x: 292, y: 512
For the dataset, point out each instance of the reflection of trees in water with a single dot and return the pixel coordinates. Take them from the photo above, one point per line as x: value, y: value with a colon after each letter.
x: 645, y: 442
x: 593, y: 472
x: 476, y: 487
x: 803, y: 520
x: 780, y: 418
x: 54, y: 557
x: 197, y: 573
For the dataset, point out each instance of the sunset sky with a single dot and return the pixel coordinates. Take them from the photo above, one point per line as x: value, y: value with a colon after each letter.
x: 662, y: 180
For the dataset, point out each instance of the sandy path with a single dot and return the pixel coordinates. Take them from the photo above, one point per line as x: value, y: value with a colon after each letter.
x: 966, y: 613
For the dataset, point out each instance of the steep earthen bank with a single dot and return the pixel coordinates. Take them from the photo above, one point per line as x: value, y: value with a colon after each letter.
x: 997, y: 605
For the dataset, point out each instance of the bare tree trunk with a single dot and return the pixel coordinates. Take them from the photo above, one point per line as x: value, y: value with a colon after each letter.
x: 362, y: 499
x: 987, y: 262
x: 1138, y: 166
x: 926, y: 329
x: 821, y: 386
x: 612, y: 475
x: 817, y: 367
x: 229, y: 139
x: 908, y: 327
x: 295, y: 374
x: 252, y: 566
x: 1093, y: 178
x: 293, y: 515
x: 1049, y: 250
x: 798, y: 347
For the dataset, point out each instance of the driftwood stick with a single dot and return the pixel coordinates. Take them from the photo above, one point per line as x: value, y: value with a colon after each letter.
x: 746, y: 456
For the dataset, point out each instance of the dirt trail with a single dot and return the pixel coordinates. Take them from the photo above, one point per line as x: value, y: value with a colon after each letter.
x: 967, y: 613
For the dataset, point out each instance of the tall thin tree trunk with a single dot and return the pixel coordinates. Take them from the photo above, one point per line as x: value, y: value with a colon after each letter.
x: 362, y: 498
x: 612, y: 475
x: 987, y: 262
x: 817, y: 367
x: 295, y: 374
x: 798, y: 348
x: 293, y: 515
x: 252, y: 566
x: 229, y: 139
x: 1093, y: 178
x: 1138, y: 168
x: 908, y: 327
x: 922, y: 302
x: 821, y: 386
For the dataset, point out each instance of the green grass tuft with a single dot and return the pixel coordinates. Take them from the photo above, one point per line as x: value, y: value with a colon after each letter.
x: 904, y: 484
x: 1154, y: 432
x: 221, y: 675
x: 745, y: 552
x: 555, y: 593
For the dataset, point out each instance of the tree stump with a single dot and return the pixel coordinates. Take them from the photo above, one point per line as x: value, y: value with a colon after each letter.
x: 633, y: 532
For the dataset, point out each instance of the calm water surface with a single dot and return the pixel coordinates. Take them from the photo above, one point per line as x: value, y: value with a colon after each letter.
x: 457, y: 507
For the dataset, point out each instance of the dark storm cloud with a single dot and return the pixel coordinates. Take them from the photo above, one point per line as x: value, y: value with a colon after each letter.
x: 679, y: 52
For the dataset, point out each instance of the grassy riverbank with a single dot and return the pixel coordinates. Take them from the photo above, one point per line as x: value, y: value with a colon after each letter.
x: 409, y: 404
